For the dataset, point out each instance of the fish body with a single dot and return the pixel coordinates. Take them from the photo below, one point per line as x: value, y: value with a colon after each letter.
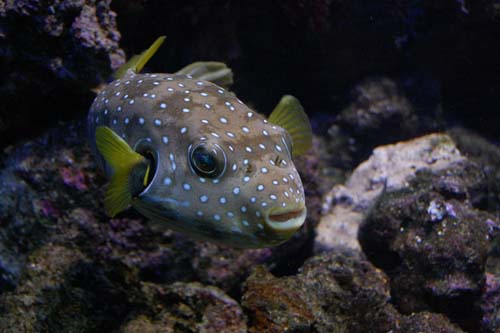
x: 206, y: 164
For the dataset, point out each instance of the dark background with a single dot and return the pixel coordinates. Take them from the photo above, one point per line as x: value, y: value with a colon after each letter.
x: 442, y: 54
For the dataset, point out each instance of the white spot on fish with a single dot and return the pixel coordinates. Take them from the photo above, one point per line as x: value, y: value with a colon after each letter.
x: 203, y: 198
x: 183, y: 130
x: 222, y: 200
x: 164, y: 139
x: 260, y: 187
x: 204, y: 121
x: 245, y: 129
x: 266, y: 133
x: 172, y: 160
x: 230, y: 134
x: 163, y: 106
x: 157, y: 122
x: 185, y: 110
x: 186, y: 186
x: 141, y: 121
x: 167, y: 181
x: 223, y: 120
x: 236, y: 190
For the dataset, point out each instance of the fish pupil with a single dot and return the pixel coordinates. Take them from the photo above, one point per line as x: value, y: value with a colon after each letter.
x: 207, y: 160
x: 204, y: 162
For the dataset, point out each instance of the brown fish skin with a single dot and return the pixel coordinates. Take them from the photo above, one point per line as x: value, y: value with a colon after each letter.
x: 257, y: 201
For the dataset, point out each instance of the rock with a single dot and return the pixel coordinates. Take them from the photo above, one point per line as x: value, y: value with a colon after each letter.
x: 389, y: 168
x: 433, y: 243
x: 378, y: 106
x: 489, y: 304
x: 334, y: 292
x: 425, y: 322
x: 53, y: 52
x: 189, y: 307
x: 61, y: 290
x: 487, y: 156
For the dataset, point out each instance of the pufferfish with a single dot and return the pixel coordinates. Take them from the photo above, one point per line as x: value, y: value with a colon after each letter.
x: 189, y: 155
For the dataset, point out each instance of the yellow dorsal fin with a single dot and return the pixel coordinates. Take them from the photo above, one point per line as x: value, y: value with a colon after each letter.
x: 138, y: 61
x: 290, y: 115
x: 122, y: 160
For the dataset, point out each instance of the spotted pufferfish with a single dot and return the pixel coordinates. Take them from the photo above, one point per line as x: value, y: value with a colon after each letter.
x: 189, y: 155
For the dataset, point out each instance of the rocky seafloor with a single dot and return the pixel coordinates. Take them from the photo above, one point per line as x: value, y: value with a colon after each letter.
x: 403, y: 226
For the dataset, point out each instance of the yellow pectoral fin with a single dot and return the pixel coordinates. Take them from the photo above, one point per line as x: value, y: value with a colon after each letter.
x: 290, y: 115
x: 122, y: 160
x: 138, y: 61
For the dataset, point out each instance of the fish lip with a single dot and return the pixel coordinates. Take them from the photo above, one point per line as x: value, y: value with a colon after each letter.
x: 296, y: 219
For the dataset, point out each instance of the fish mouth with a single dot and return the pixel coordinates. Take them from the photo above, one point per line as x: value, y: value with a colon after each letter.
x: 286, y: 221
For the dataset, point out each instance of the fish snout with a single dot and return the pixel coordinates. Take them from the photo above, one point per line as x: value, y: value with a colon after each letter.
x: 285, y: 222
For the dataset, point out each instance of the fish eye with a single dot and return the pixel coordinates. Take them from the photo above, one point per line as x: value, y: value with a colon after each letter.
x: 207, y: 160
